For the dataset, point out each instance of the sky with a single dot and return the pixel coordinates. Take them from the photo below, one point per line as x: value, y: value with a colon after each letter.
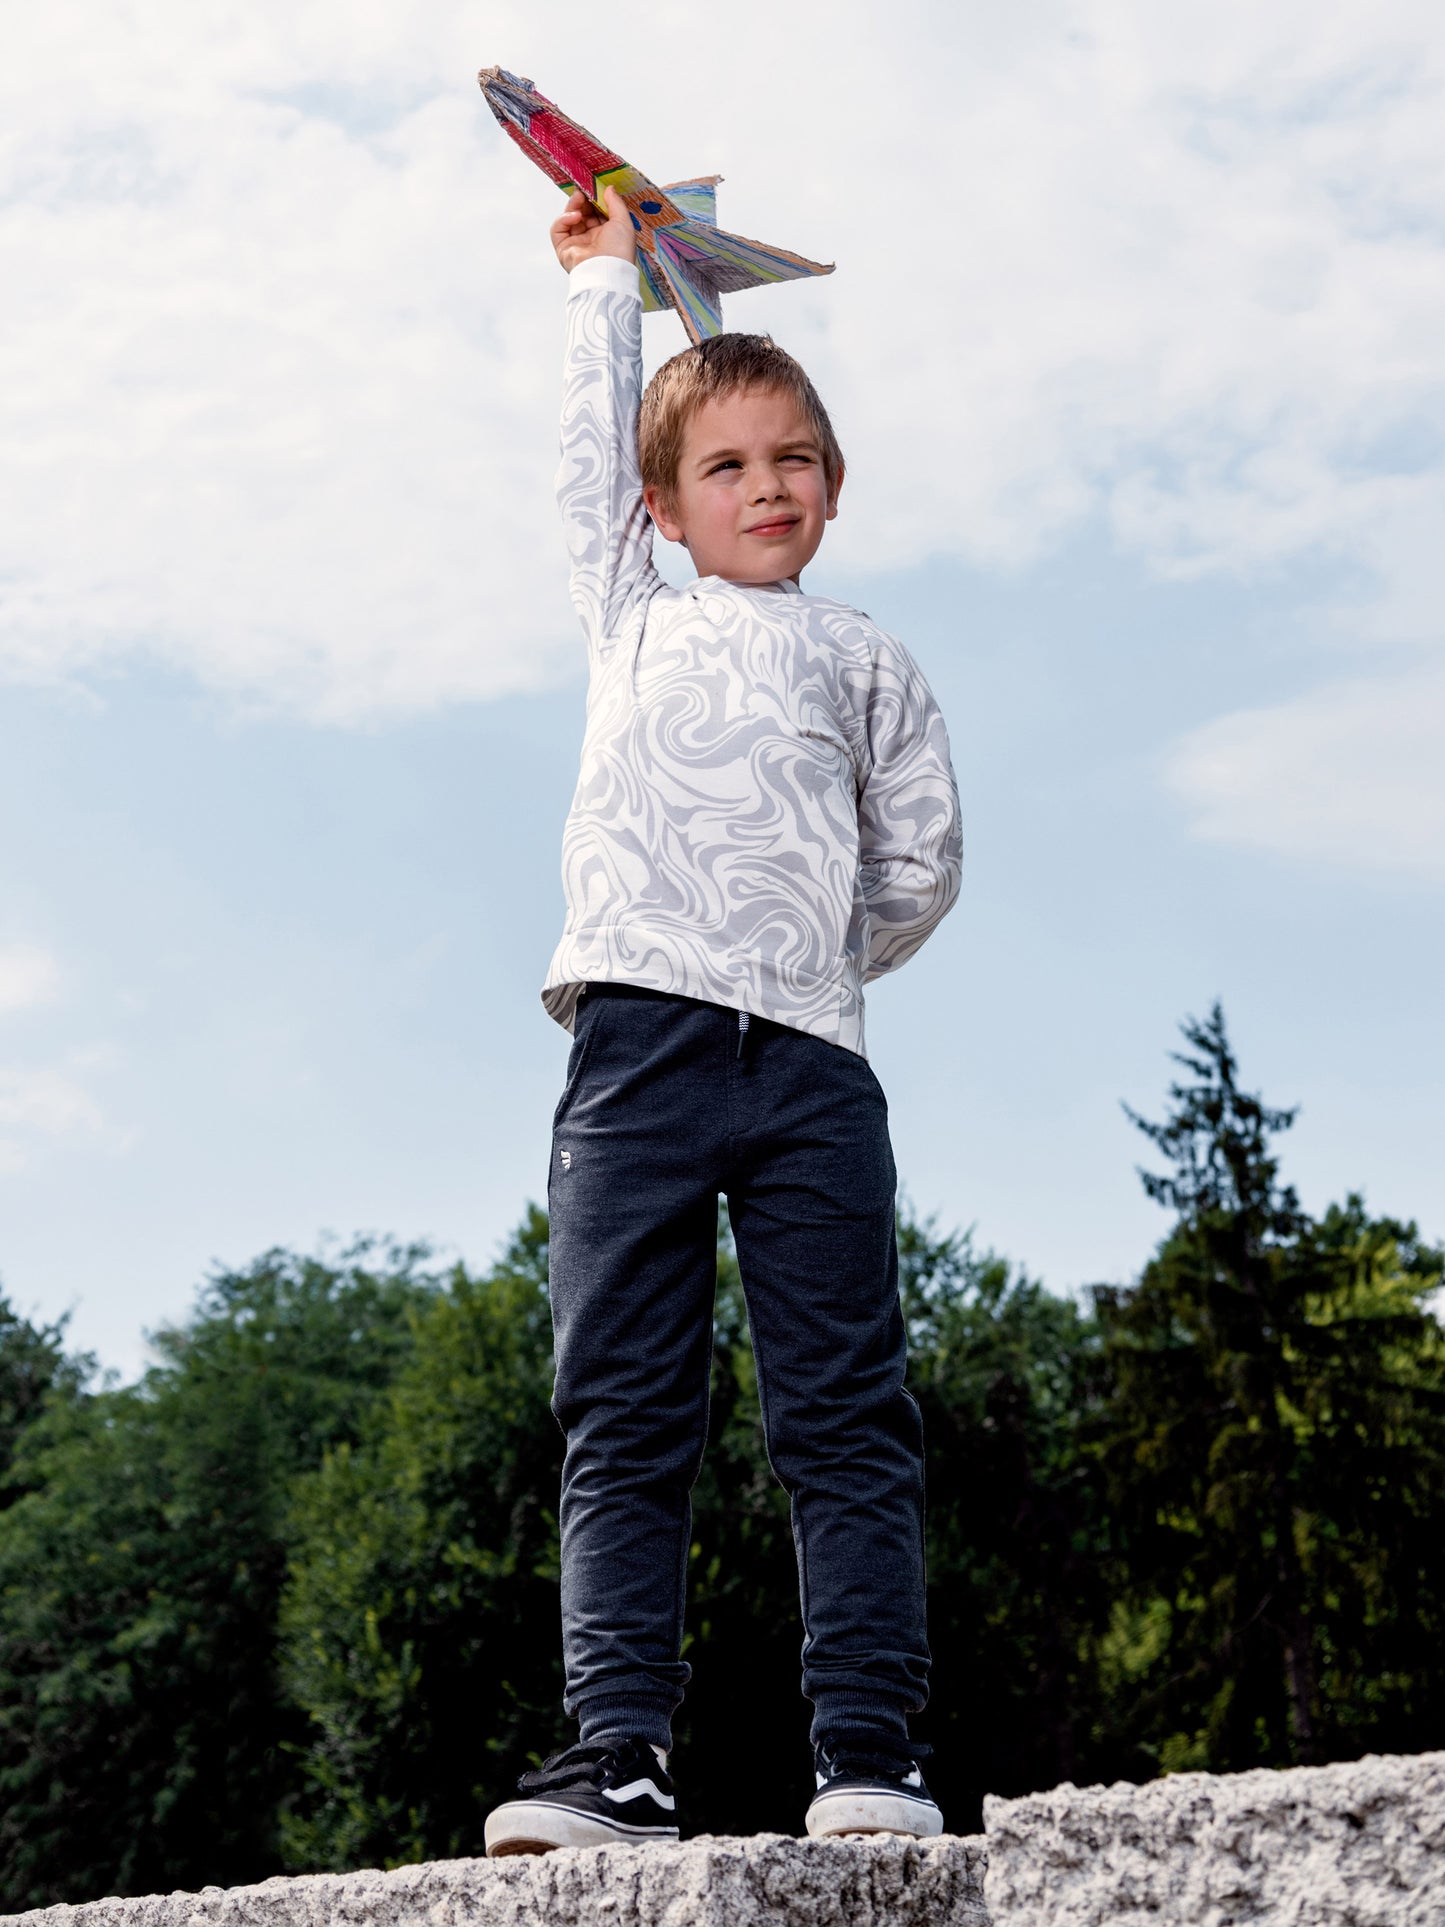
x: 1134, y: 350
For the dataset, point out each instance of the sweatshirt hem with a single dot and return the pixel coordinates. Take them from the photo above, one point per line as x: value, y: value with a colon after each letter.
x: 825, y: 1007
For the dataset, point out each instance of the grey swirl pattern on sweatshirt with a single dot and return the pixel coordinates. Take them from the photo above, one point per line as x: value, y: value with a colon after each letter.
x: 766, y: 815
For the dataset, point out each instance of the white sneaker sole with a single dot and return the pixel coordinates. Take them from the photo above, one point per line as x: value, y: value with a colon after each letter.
x: 533, y: 1826
x: 859, y: 1811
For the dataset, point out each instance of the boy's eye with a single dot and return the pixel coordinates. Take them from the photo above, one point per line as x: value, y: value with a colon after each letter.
x: 794, y: 455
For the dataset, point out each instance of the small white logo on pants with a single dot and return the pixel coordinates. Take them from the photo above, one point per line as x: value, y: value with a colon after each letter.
x: 566, y: 1157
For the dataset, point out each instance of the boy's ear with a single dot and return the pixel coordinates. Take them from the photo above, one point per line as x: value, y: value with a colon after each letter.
x: 835, y: 492
x: 661, y: 508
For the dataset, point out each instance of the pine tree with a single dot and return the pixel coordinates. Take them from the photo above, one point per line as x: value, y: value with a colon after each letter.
x: 1258, y: 1367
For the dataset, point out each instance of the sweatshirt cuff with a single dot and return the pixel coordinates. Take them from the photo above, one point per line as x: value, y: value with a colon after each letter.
x: 606, y: 272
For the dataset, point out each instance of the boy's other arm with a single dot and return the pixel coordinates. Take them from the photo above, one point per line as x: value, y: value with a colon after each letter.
x: 910, y: 845
x: 599, y: 487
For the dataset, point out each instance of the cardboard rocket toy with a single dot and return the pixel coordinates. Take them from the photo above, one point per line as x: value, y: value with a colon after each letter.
x: 684, y: 259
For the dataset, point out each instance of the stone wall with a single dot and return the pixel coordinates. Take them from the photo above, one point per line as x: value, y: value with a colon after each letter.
x: 706, y: 1882
x: 1361, y: 1845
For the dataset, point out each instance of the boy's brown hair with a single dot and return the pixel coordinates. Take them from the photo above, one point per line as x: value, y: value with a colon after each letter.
x: 722, y: 365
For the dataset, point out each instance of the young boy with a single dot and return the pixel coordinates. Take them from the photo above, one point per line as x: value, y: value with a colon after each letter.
x: 766, y: 817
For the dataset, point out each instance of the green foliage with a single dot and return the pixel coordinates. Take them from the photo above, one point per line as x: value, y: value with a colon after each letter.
x: 1273, y: 1444
x: 1003, y: 1371
x: 142, y: 1721
x: 420, y: 1627
x: 34, y: 1372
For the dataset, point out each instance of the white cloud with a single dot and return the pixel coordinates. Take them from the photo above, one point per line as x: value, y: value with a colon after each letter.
x: 27, y: 976
x: 278, y: 354
x: 1352, y: 774
x: 46, y: 1103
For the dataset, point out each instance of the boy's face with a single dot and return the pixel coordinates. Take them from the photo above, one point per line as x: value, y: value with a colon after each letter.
x: 751, y: 496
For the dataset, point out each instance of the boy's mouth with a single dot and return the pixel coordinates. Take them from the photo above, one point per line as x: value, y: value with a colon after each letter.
x: 775, y: 525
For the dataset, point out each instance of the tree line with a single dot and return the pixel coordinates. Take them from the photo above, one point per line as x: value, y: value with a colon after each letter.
x: 290, y: 1602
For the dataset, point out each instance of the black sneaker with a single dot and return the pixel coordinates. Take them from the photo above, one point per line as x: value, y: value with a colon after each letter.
x: 862, y: 1789
x: 589, y: 1796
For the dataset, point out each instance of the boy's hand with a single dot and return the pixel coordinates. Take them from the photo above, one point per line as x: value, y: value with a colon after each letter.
x: 579, y: 233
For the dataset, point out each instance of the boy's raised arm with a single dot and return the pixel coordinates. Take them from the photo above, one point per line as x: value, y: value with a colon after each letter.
x: 599, y: 486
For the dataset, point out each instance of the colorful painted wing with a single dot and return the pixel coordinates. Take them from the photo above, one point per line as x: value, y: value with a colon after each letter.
x: 689, y: 287
x: 697, y: 198
x: 655, y: 292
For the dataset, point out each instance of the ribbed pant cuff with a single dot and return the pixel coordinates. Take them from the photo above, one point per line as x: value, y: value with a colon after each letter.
x: 625, y: 1718
x: 860, y: 1718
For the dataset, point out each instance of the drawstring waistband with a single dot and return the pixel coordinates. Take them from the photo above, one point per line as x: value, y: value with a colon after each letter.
x: 607, y: 987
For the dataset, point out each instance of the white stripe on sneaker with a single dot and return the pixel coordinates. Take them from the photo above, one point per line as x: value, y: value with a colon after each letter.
x: 621, y: 1794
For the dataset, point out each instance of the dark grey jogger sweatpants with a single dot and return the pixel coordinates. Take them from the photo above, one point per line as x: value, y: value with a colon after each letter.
x: 668, y: 1103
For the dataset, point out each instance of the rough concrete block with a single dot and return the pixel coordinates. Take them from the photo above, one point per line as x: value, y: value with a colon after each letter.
x: 766, y: 1881
x: 1361, y: 1845
x: 1338, y: 1846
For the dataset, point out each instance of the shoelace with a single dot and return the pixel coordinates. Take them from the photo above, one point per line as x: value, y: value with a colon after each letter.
x: 866, y: 1762
x: 574, y: 1766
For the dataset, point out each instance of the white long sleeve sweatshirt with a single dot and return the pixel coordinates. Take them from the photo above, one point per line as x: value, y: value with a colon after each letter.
x: 766, y: 815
